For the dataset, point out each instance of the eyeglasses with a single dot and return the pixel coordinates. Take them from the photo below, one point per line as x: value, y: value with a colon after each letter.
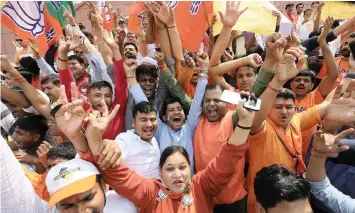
x: 18, y: 40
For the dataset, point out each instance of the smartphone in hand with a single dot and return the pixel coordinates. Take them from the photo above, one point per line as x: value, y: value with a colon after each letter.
x: 234, y: 98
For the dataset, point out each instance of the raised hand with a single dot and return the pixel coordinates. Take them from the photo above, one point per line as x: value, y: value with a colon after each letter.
x: 26, y: 158
x: 245, y: 115
x: 71, y: 115
x: 98, y: 124
x: 162, y: 11
x: 232, y: 14
x: 110, y: 154
x: 130, y: 66
x: 42, y: 151
x: 327, y: 144
x: 95, y: 17
x: 34, y: 47
x: 70, y: 45
x: 68, y: 16
x: 254, y: 60
x: 188, y: 61
x: 109, y: 41
x: 160, y: 58
x: 327, y: 28
x: 287, y: 69
x: 203, y: 60
x: 341, y: 108
x: 351, y: 62
x: 275, y: 47
x: 5, y: 64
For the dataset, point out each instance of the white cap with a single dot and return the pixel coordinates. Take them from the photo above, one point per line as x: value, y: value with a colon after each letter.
x: 149, y: 60
x: 70, y: 178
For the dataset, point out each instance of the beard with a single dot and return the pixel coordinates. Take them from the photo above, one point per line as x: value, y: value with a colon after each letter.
x: 130, y: 55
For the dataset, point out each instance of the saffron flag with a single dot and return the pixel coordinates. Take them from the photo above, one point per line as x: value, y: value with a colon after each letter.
x: 135, y: 15
x: 40, y: 20
x: 192, y: 18
x: 106, y: 14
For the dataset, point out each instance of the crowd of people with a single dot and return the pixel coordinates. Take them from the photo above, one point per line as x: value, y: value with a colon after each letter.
x: 118, y: 122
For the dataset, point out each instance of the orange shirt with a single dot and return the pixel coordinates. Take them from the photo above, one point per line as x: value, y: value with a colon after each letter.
x: 208, y: 141
x: 311, y: 99
x: 38, y: 183
x: 343, y: 69
x: 265, y: 148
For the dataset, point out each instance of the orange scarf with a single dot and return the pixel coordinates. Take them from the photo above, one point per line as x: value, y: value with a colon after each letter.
x: 293, y: 147
x: 166, y: 200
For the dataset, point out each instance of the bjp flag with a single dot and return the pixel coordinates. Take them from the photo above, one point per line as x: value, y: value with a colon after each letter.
x: 40, y: 20
x: 135, y: 15
x: 105, y: 11
x: 192, y: 18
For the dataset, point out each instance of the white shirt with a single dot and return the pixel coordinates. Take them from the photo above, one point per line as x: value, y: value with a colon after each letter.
x: 138, y: 155
x: 118, y: 204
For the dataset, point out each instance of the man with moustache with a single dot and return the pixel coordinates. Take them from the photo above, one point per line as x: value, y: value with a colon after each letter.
x: 303, y: 83
x: 342, y: 62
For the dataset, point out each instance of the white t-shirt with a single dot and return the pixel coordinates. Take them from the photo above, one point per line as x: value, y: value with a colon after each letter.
x: 118, y: 204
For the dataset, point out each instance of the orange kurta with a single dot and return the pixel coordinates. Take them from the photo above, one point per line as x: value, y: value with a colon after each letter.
x: 208, y: 141
x: 311, y: 99
x: 265, y: 149
x: 343, y: 69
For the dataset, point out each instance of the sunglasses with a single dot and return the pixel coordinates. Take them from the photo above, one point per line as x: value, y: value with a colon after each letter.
x: 18, y: 40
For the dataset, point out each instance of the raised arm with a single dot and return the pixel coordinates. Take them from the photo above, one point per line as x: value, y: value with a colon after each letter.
x: 33, y: 95
x: 343, y: 27
x: 14, y: 97
x: 326, y: 145
x: 285, y: 70
x: 217, y: 72
x: 98, y: 29
x: 326, y: 85
x: 317, y: 20
x: 150, y: 34
x: 228, y: 19
x: 42, y: 64
x: 220, y: 170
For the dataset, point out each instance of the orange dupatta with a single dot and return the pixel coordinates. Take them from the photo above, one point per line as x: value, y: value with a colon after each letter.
x: 166, y: 200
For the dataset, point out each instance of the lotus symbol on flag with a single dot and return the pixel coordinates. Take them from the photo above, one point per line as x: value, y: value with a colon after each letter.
x: 28, y: 16
x: 194, y: 7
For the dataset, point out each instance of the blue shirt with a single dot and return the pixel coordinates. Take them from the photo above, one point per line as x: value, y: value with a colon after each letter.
x: 341, y: 176
x: 183, y: 137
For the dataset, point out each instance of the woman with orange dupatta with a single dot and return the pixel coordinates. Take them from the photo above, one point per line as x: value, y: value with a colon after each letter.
x: 176, y: 191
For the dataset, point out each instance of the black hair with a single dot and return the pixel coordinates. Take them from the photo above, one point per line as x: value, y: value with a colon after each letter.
x: 27, y: 75
x: 131, y: 43
x: 306, y: 10
x: 51, y: 78
x: 289, y: 5
x: 30, y: 64
x: 147, y: 69
x: 55, y: 110
x: 170, y: 100
x: 87, y: 34
x: 170, y: 150
x: 286, y: 94
x: 215, y: 86
x: 75, y: 57
x: 143, y: 107
x: 315, y: 33
x: 35, y: 124
x: 352, y: 35
x: 65, y: 151
x: 276, y: 183
x: 99, y: 85
x: 299, y: 4
x: 307, y: 72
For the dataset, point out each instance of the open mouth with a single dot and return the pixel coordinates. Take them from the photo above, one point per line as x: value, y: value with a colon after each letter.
x: 300, y: 87
x: 148, y: 131
x: 148, y: 92
x: 176, y: 120
x: 179, y: 183
x: 283, y: 117
x: 212, y: 112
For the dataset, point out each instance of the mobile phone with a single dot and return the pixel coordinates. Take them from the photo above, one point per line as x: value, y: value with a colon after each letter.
x: 234, y: 98
x: 352, y: 48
